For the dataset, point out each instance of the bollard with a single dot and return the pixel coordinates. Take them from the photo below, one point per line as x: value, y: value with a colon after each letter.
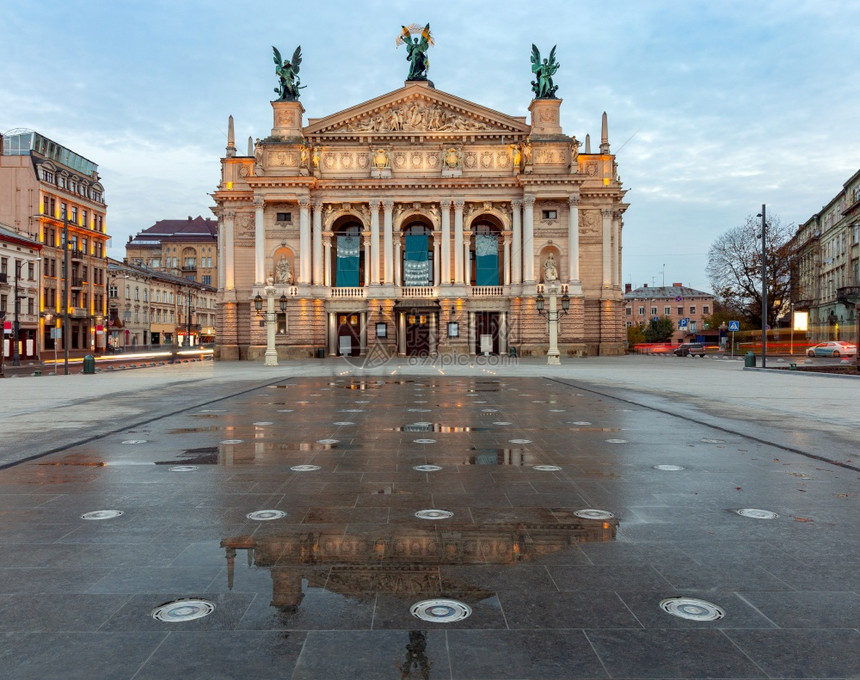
x: 749, y: 360
x: 512, y: 352
x: 89, y: 364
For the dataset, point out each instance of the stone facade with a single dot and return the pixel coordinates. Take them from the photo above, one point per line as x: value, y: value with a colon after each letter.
x: 419, y: 223
x: 685, y: 306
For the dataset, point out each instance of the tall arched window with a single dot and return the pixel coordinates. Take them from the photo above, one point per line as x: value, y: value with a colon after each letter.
x: 485, y: 254
x: 348, y: 256
x: 417, y: 255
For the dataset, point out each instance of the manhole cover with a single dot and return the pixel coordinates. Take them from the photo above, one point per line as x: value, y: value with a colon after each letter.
x: 489, y: 410
x: 266, y: 515
x: 101, y: 514
x: 424, y: 441
x: 419, y: 410
x: 352, y: 410
x: 502, y: 422
x: 557, y: 410
x: 362, y: 401
x: 669, y: 468
x: 546, y: 468
x: 713, y: 441
x: 441, y: 611
x: 183, y: 468
x: 213, y: 410
x: 134, y: 441
x: 755, y: 513
x: 591, y: 513
x: 232, y: 441
x: 261, y: 423
x: 343, y: 422
x: 692, y: 609
x: 304, y: 468
x: 427, y: 468
x: 616, y: 441
x: 520, y: 441
x: 183, y: 610
x: 434, y: 514
x: 327, y: 441
x: 285, y: 410
x: 579, y: 422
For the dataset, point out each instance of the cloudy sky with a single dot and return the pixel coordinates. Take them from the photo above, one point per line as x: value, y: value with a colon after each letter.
x: 714, y: 107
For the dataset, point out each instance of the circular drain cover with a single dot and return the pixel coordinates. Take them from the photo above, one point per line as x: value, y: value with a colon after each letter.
x: 327, y: 441
x: 101, y: 514
x: 489, y: 410
x: 352, y: 410
x: 520, y: 441
x: 183, y: 468
x: 591, y: 513
x: 304, y: 468
x: 502, y: 422
x: 427, y: 468
x: 579, y: 422
x: 713, y: 441
x: 755, y: 513
x: 285, y: 410
x: 344, y: 422
x: 419, y: 410
x: 616, y: 441
x: 231, y: 441
x: 546, y: 468
x: 424, y: 441
x: 692, y: 609
x: 441, y: 611
x: 266, y: 515
x: 134, y: 441
x: 261, y: 423
x: 183, y: 610
x: 434, y: 514
x: 557, y: 410
x: 669, y: 468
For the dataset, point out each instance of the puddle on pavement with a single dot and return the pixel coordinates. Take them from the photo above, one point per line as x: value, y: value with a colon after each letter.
x: 205, y: 455
x: 434, y: 427
x: 192, y: 430
x: 502, y: 457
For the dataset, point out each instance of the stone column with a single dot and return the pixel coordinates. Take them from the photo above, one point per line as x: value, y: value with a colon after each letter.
x: 317, y: 269
x: 573, y: 240
x: 529, y: 239
x: 616, y: 250
x: 326, y: 242
x: 607, y: 247
x: 388, y: 239
x: 229, y: 267
x: 506, y: 268
x: 401, y: 333
x: 503, y: 333
x: 332, y: 334
x: 259, y: 242
x: 517, y: 263
x: 374, y: 242
x: 445, y: 264
x: 458, y: 240
x: 398, y: 276
x: 368, y: 258
x: 467, y: 270
x: 437, y: 275
x: 304, y: 240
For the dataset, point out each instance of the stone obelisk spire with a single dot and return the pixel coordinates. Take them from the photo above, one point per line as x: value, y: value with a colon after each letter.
x: 587, y: 143
x: 231, y: 139
x: 604, y: 135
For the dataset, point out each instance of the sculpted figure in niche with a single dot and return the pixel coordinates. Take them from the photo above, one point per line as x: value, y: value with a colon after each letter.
x: 550, y: 272
x: 284, y: 272
x: 527, y: 152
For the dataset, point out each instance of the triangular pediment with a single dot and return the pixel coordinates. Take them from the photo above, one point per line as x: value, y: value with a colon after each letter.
x: 418, y: 109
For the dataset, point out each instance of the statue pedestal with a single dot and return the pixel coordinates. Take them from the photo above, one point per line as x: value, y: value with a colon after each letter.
x: 545, y: 116
x: 287, y: 119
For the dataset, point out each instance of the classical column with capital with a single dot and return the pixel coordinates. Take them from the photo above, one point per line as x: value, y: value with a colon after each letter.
x: 436, y: 257
x: 326, y: 242
x: 259, y: 242
x: 517, y: 263
x: 445, y: 267
x: 607, y: 247
x: 506, y: 271
x: 458, y: 240
x: 229, y: 267
x: 388, y: 239
x: 373, y: 262
x: 573, y: 240
x: 529, y: 239
x: 368, y: 257
x: 304, y: 240
x: 398, y: 277
x: 317, y: 268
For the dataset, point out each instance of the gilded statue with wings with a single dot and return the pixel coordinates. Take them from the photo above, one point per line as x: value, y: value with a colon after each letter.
x: 544, y: 71
x: 416, y: 50
x: 288, y: 75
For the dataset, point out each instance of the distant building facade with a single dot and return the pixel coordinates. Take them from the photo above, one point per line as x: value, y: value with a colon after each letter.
x: 47, y: 190
x: 419, y: 223
x: 20, y: 260
x: 826, y: 282
x: 185, y: 248
x: 686, y: 306
x: 150, y: 309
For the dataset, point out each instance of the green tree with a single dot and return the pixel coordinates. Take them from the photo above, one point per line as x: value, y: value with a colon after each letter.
x: 635, y: 335
x: 660, y: 330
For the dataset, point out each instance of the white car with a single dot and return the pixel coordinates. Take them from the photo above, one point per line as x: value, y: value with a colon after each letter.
x: 832, y: 349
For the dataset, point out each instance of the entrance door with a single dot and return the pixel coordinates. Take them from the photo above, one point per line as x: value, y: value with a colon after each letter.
x: 349, y: 335
x: 486, y: 332
x: 418, y: 334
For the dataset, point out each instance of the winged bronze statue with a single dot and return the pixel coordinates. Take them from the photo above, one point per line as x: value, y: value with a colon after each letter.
x: 288, y: 75
x: 543, y: 86
x: 416, y: 51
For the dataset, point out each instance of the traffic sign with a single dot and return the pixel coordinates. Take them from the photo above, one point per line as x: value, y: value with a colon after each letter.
x: 734, y: 325
x: 682, y: 323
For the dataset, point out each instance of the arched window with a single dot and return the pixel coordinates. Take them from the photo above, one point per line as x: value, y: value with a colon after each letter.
x: 348, y: 256
x: 485, y: 254
x: 417, y: 255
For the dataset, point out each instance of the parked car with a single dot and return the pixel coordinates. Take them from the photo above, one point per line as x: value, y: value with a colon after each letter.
x: 832, y: 349
x: 689, y: 349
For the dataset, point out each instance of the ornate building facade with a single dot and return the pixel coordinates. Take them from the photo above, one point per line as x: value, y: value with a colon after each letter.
x: 419, y: 223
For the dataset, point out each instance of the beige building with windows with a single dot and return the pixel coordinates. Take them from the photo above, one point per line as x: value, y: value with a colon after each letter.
x: 186, y: 248
x: 419, y: 223
x: 685, y: 306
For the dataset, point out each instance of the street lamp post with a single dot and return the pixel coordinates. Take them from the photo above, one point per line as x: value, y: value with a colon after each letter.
x: 67, y: 266
x: 271, y: 357
x: 188, y: 321
x: 16, y: 326
x: 763, y: 236
x: 552, y: 317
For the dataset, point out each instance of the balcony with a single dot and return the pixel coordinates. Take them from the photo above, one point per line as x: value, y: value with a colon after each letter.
x: 356, y: 292
x: 488, y: 291
x: 419, y: 292
x: 848, y: 295
x: 77, y: 282
x: 189, y: 267
x: 79, y: 313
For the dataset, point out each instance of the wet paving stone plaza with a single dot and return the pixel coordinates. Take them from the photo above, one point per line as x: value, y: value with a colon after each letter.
x: 457, y: 527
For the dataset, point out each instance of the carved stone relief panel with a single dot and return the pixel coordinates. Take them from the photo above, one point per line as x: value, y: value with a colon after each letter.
x: 245, y: 224
x: 414, y: 117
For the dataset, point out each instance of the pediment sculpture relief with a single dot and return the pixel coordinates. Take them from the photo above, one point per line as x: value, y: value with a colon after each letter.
x: 414, y: 117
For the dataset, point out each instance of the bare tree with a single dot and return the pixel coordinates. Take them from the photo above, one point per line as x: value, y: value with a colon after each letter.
x: 734, y: 269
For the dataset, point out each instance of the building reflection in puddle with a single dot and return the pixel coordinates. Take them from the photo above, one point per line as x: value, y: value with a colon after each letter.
x: 416, y: 657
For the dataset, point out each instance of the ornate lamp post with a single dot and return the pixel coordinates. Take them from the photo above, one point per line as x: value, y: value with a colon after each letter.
x: 552, y: 317
x: 271, y: 357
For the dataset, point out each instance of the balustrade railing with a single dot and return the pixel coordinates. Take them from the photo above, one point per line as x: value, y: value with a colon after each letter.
x: 356, y: 292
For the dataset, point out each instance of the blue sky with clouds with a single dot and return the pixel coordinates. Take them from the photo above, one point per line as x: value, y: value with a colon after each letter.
x: 714, y: 107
